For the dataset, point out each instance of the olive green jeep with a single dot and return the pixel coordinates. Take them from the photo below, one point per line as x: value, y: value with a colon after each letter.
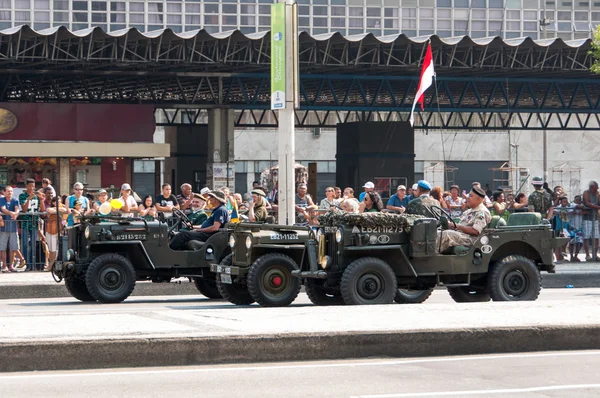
x: 378, y: 258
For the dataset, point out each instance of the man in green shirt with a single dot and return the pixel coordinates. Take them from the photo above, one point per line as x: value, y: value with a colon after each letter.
x: 197, y: 216
x: 31, y: 201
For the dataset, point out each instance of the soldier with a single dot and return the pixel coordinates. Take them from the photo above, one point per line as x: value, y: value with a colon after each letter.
x: 471, y: 223
x: 540, y: 200
x: 423, y: 203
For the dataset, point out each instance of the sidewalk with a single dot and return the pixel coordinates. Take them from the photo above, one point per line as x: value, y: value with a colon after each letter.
x: 75, y: 336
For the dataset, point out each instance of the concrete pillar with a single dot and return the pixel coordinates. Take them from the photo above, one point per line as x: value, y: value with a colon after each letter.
x: 64, y: 173
x: 220, y: 165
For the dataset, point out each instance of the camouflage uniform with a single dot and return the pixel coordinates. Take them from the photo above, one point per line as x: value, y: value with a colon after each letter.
x: 541, y: 201
x: 422, y: 205
x: 478, y: 218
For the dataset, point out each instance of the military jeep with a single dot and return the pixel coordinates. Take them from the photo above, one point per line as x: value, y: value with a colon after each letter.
x: 378, y: 258
x: 105, y: 256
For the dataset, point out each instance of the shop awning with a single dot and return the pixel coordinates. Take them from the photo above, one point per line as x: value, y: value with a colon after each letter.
x: 81, y: 149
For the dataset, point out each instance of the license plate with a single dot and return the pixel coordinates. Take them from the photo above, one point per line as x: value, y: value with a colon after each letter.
x: 226, y: 278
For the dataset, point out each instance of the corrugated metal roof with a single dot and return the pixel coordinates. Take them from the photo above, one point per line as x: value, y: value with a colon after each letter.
x: 25, y: 32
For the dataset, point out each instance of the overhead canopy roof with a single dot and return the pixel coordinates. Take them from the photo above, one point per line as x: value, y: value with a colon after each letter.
x: 129, y: 49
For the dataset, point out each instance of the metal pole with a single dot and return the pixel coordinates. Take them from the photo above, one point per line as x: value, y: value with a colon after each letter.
x: 545, y: 154
x: 287, y: 148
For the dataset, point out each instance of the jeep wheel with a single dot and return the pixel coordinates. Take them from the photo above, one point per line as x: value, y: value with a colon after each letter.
x: 208, y: 286
x: 318, y: 295
x: 468, y: 294
x: 368, y: 281
x: 270, y: 280
x: 77, y: 288
x: 235, y: 293
x: 514, y: 278
x: 409, y: 296
x: 110, y: 278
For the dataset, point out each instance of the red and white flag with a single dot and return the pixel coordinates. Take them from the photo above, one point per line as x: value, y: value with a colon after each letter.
x: 427, y: 74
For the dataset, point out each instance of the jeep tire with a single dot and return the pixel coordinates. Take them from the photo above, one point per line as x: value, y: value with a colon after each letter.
x: 110, y: 278
x: 514, y: 278
x: 368, y: 280
x: 76, y: 287
x: 319, y: 295
x: 235, y: 293
x: 270, y: 280
x: 468, y: 294
x: 409, y: 296
x: 208, y: 286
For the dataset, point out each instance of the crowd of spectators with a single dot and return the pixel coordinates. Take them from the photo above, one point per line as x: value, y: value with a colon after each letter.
x: 38, y: 215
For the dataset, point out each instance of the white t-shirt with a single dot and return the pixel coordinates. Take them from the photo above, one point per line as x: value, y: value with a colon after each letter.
x: 130, y: 202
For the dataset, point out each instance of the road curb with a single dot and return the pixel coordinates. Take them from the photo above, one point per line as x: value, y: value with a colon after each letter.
x: 33, y: 291
x: 184, y: 351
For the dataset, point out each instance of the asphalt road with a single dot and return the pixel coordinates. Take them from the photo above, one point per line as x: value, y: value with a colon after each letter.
x: 154, y: 303
x: 575, y: 373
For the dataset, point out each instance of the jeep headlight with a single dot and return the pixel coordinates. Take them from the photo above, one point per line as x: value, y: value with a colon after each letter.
x: 232, y: 241
x: 70, y: 254
x: 86, y: 233
x: 338, y: 235
x: 248, y: 242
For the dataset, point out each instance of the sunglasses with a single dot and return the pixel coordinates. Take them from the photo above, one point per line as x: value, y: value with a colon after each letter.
x: 330, y: 190
x: 79, y: 189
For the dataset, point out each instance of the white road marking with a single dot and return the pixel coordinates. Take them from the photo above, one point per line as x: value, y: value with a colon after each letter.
x: 226, y: 368
x: 483, y: 392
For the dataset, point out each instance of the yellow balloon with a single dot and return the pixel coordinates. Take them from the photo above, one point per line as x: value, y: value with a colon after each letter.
x: 105, y: 208
x: 116, y: 204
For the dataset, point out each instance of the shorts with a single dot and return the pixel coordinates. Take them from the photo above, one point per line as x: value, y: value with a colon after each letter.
x: 9, y: 241
x: 587, y: 229
x: 52, y: 242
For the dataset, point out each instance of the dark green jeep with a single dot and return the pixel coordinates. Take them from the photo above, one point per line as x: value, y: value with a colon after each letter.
x: 104, y: 257
x: 378, y: 258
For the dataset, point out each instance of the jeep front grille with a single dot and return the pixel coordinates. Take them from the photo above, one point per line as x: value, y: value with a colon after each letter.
x: 332, y: 248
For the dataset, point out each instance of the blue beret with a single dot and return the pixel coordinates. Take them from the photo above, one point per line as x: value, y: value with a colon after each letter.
x: 424, y: 184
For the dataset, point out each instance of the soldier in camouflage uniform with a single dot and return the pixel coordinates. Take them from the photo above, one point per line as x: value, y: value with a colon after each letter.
x: 540, y: 199
x: 471, y: 223
x: 423, y: 203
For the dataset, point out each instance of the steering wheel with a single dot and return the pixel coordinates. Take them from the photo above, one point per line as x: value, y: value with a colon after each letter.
x: 181, y: 218
x: 438, y: 212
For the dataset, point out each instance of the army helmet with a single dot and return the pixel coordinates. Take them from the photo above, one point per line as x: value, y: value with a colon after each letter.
x: 537, y: 181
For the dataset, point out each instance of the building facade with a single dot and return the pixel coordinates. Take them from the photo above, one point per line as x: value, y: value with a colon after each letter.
x: 567, y: 19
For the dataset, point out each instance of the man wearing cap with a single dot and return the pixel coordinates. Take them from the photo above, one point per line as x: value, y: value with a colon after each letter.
x: 197, y: 216
x: 257, y: 210
x: 471, y: 223
x: 398, y: 201
x: 218, y: 218
x: 591, y: 200
x: 540, y: 200
x: 423, y: 203
x: 369, y: 187
x: 412, y: 192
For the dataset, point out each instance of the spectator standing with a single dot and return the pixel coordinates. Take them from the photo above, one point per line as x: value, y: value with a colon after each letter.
x: 398, y: 201
x: 338, y: 193
x: 146, y: 209
x: 70, y: 204
x: 304, y: 204
x: 257, y: 211
x: 9, y: 237
x: 348, y: 193
x: 166, y: 201
x: 255, y: 184
x: 372, y: 203
x: 329, y: 201
x: 591, y: 200
x: 197, y: 216
x: 184, y: 199
x: 31, y: 202
x: 52, y: 228
x: 274, y: 194
x: 130, y: 206
x: 368, y: 187
x: 454, y: 202
x: 46, y: 183
x: 412, y: 192
x: 102, y: 198
x: 436, y: 193
x: 576, y: 225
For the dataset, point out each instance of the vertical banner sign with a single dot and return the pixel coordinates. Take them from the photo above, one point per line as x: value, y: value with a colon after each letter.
x: 278, y: 56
